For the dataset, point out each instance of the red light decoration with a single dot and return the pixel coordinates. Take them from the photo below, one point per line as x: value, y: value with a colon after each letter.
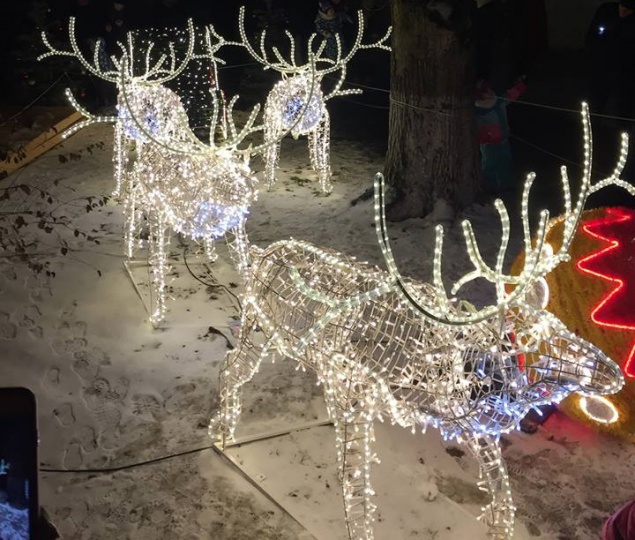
x: 614, y: 263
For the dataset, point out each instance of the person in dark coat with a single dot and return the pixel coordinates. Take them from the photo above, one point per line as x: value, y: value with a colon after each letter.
x: 329, y: 23
x: 621, y: 524
x: 116, y: 26
x: 610, y: 43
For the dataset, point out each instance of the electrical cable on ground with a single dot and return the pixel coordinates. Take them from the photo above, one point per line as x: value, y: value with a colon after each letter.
x: 213, y: 285
x: 109, y: 470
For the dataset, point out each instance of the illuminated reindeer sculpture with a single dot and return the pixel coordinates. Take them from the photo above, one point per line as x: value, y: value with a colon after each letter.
x: 200, y: 190
x: 177, y: 182
x: 385, y: 346
x: 297, y: 105
x: 159, y: 107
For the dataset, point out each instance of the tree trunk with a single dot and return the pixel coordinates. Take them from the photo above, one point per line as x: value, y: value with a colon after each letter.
x: 432, y: 148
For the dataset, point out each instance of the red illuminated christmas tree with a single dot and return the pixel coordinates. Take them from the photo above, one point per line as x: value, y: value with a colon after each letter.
x: 614, y: 263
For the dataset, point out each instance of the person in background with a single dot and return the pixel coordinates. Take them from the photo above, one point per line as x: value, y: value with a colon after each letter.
x: 621, y: 524
x: 529, y: 36
x: 493, y: 134
x: 329, y: 23
x: 610, y: 43
x: 115, y: 27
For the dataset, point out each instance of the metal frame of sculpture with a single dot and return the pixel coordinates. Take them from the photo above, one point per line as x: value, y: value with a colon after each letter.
x: 388, y: 347
x: 298, y: 103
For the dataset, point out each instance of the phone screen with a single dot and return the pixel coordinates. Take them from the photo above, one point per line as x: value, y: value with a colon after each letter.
x: 18, y: 464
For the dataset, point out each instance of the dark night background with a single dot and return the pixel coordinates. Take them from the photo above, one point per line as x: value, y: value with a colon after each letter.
x: 543, y: 138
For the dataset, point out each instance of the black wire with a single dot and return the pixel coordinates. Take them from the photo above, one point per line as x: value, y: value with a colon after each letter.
x: 26, y: 107
x: 130, y: 465
x: 217, y: 284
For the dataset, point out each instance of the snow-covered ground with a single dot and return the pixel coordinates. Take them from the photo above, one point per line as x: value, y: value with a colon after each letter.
x: 113, y: 391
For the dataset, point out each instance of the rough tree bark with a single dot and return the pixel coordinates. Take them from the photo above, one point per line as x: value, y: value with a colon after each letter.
x: 432, y: 149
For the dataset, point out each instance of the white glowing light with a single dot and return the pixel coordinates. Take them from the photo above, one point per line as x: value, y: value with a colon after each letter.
x: 297, y: 98
x: 387, y: 347
x: 599, y: 409
x: 201, y: 191
x: 177, y: 182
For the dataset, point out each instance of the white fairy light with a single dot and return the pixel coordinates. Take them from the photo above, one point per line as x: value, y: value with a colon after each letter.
x: 296, y: 92
x: 387, y: 347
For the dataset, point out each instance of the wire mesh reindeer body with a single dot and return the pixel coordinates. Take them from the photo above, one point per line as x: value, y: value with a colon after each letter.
x: 199, y: 197
x: 296, y: 101
x: 384, y: 346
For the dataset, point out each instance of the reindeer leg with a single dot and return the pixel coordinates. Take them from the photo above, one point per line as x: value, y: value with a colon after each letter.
x: 239, y: 248
x: 319, y: 151
x: 347, y: 404
x: 239, y: 367
x: 210, y: 248
x: 119, y: 159
x: 499, y: 514
x: 132, y: 222
x: 271, y: 154
x: 159, y: 242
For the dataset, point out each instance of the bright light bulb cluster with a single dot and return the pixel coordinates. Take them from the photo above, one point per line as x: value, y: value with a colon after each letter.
x: 296, y: 103
x: 180, y: 184
x: 387, y: 347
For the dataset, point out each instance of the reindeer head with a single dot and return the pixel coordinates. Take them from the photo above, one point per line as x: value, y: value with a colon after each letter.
x: 512, y: 355
x: 203, y: 196
x: 295, y: 104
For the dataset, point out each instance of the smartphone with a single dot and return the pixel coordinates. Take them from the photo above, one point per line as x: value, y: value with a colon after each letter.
x: 19, y: 505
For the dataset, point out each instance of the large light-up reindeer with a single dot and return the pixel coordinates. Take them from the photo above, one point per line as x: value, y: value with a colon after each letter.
x: 177, y: 182
x: 385, y: 346
x: 200, y: 190
x: 159, y: 107
x: 296, y: 105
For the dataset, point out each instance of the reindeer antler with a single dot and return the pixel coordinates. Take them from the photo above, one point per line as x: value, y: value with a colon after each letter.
x: 155, y: 73
x: 75, y: 52
x: 90, y: 118
x: 193, y: 145
x: 290, y: 67
x: 540, y: 258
